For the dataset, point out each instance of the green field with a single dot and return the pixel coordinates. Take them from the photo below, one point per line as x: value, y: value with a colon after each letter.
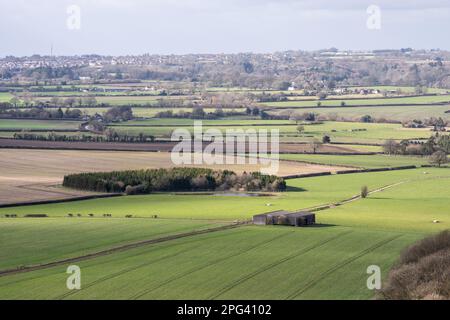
x: 118, y: 99
x: 5, y: 97
x: 215, y: 123
x: 359, y: 161
x: 348, y: 132
x: 244, y: 263
x: 363, y: 102
x: 247, y: 263
x: 7, y: 124
x: 412, y: 205
x: 42, y: 241
x: 397, y: 113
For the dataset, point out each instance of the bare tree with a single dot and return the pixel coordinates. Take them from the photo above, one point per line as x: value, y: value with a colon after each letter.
x: 315, y: 145
x: 439, y: 158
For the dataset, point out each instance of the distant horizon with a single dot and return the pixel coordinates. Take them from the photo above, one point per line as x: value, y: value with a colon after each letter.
x: 224, y: 53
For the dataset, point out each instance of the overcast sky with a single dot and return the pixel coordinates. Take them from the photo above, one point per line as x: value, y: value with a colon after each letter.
x: 120, y: 27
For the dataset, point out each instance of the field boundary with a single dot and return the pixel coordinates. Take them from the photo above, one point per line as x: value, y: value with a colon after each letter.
x: 71, y: 199
x: 357, y: 170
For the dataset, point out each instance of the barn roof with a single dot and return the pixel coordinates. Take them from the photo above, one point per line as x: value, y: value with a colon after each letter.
x: 301, y: 214
x: 277, y: 213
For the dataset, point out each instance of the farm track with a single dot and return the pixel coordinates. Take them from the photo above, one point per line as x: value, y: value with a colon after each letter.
x: 352, y: 199
x: 338, y: 266
x: 118, y: 249
x: 275, y: 264
x: 179, y: 276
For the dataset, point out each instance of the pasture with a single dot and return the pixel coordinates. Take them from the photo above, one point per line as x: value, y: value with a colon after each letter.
x: 412, y: 205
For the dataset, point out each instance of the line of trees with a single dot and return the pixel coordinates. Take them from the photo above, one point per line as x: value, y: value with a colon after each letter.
x: 436, y: 147
x: 110, y: 136
x: 42, y: 113
x: 198, y: 114
x: 427, y: 148
x: 175, y: 179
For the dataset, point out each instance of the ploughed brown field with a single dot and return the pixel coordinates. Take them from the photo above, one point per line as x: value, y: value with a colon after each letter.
x: 153, y: 147
x: 34, y: 175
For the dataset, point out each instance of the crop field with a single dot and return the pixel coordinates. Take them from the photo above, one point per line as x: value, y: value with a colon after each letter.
x: 5, y: 97
x: 38, y: 124
x: 221, y: 122
x: 360, y: 161
x: 397, y: 113
x: 119, y: 99
x: 363, y: 148
x: 363, y: 102
x: 242, y: 263
x: 42, y: 241
x: 338, y: 131
x: 132, y: 99
x: 249, y: 263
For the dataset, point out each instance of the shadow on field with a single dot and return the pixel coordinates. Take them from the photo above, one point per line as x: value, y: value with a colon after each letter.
x: 379, y: 198
x: 322, y: 225
x: 295, y: 189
